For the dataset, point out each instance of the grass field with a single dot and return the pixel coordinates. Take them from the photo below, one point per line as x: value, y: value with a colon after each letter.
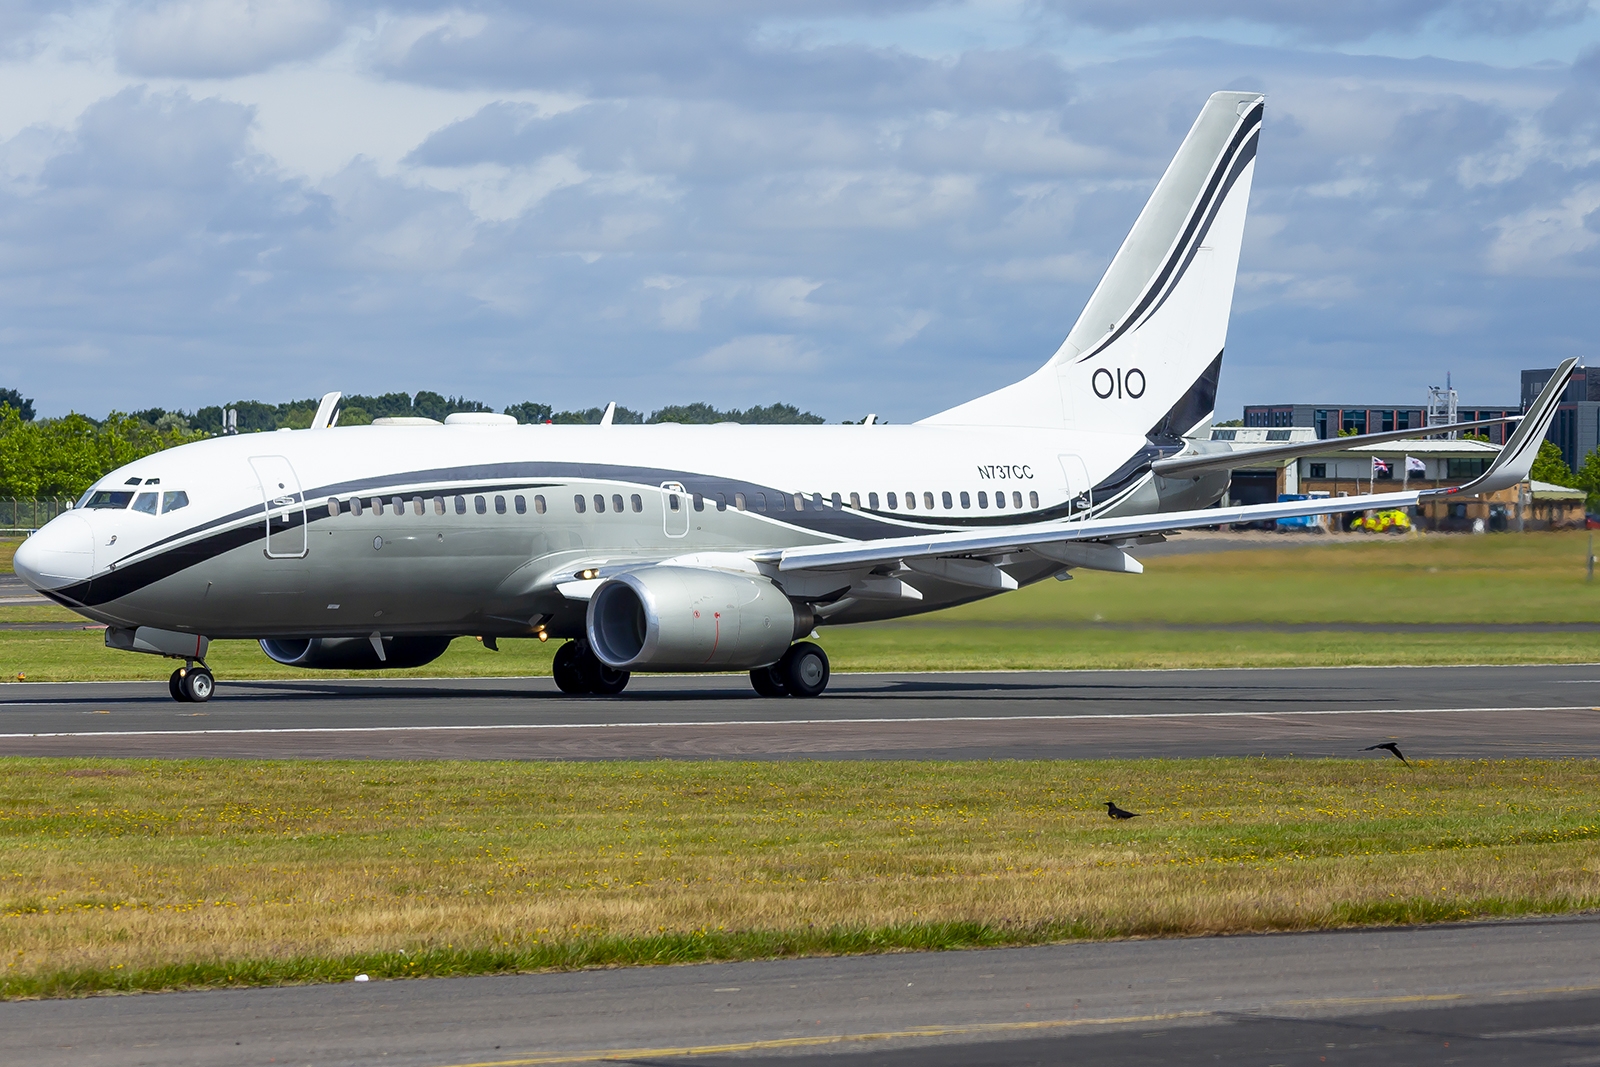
x: 158, y: 874
x: 1105, y: 620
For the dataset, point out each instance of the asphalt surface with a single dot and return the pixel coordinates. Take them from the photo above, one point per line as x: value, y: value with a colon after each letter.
x: 1433, y: 712
x: 1514, y: 993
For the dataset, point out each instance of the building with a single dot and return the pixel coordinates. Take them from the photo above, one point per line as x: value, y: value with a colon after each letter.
x: 1330, y: 420
x: 1576, y: 429
x: 1435, y: 463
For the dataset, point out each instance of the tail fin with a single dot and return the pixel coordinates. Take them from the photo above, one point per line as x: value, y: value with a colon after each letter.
x: 1147, y: 350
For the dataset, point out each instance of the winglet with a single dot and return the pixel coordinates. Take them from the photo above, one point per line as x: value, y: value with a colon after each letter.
x: 1515, y: 460
x: 327, y: 412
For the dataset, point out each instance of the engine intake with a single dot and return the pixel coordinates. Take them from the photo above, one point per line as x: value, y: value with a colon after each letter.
x: 691, y: 619
x: 354, y: 653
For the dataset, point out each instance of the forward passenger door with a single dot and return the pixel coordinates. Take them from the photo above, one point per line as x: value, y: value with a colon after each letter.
x: 283, y: 507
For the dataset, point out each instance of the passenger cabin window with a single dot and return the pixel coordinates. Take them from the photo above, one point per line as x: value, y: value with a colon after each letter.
x: 417, y: 507
x: 461, y: 505
x: 722, y: 502
x: 333, y: 506
x: 1016, y: 499
x: 927, y: 500
x: 147, y: 503
x: 872, y: 501
x: 983, y: 499
x: 599, y: 503
x: 966, y: 501
x: 945, y: 496
x: 911, y: 502
x: 499, y: 505
x: 616, y: 503
x: 174, y: 499
x: 999, y: 499
x: 438, y: 505
x: 355, y: 505
x: 838, y: 501
x: 673, y: 504
x: 739, y: 501
x: 110, y: 499
x: 638, y: 503
x: 761, y: 502
x: 894, y: 503
x: 1033, y: 500
x: 577, y: 502
x: 480, y: 505
x: 699, y: 502
x: 522, y: 505
x: 377, y: 505
x: 399, y: 505
x: 538, y: 504
x: 855, y: 501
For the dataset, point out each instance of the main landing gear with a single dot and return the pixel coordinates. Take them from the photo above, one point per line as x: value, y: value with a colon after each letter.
x: 802, y: 672
x: 192, y: 684
x: 578, y: 671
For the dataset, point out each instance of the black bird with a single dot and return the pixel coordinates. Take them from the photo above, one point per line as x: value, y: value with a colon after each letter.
x: 1389, y: 746
x: 1117, y: 813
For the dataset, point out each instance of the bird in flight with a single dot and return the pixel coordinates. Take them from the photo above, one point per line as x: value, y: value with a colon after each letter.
x: 1117, y: 813
x: 1389, y: 746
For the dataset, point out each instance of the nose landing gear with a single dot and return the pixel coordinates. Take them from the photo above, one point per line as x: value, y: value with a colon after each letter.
x: 192, y: 684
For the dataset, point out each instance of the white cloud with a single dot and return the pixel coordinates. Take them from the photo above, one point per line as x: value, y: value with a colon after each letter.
x: 223, y: 38
x: 1543, y: 241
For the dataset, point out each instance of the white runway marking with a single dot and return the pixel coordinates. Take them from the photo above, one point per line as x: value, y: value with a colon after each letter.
x: 784, y: 722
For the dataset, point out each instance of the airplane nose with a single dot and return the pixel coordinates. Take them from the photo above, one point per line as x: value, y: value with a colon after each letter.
x: 59, y: 554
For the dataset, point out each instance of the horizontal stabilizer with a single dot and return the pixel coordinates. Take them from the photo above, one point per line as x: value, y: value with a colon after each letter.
x: 1232, y: 459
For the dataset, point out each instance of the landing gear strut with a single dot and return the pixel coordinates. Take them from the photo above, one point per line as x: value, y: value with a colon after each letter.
x: 802, y: 672
x: 577, y: 671
x: 192, y: 684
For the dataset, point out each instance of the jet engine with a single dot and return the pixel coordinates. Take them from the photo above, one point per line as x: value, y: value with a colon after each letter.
x: 691, y: 619
x: 354, y: 653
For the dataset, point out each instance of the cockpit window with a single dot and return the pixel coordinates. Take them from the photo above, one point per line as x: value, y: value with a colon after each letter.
x: 110, y: 498
x: 146, y: 502
x: 174, y: 499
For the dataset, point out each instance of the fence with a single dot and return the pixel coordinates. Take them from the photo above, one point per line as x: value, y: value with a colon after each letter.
x: 29, y: 514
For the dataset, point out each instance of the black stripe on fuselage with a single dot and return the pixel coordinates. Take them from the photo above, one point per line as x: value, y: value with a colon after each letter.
x: 1243, y: 137
x: 175, y: 554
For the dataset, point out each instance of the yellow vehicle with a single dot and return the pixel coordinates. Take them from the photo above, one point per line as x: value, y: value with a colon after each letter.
x: 1392, y: 521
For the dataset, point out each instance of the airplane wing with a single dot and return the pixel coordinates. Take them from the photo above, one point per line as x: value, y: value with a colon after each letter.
x: 1510, y: 467
x: 1194, y: 463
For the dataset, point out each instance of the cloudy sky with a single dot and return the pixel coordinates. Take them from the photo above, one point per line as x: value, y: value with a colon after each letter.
x: 854, y: 207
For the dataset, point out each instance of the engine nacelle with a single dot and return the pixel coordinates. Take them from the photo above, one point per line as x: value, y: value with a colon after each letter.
x: 354, y: 653
x: 691, y: 619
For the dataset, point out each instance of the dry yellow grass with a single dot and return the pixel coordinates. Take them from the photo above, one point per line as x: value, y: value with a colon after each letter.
x: 231, y: 869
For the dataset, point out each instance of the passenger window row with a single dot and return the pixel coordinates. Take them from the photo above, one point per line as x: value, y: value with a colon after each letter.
x: 617, y: 505
x: 817, y: 501
x: 397, y: 505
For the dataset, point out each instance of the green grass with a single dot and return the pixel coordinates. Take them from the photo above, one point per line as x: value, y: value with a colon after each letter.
x: 1103, y: 620
x: 138, y: 875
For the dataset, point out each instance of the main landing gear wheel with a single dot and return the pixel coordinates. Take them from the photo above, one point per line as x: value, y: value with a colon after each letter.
x: 768, y: 682
x: 193, y: 685
x: 804, y: 669
x: 578, y: 672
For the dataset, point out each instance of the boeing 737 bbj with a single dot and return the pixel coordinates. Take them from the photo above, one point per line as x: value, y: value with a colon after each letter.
x: 707, y: 548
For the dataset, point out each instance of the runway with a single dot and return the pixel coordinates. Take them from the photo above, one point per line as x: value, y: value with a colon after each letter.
x: 1435, y: 712
x: 1515, y: 993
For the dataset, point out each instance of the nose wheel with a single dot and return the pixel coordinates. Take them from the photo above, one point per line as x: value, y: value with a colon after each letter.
x: 191, y: 685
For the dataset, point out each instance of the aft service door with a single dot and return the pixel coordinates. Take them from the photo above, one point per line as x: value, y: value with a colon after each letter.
x: 1080, y: 495
x: 284, y: 507
x: 674, y: 509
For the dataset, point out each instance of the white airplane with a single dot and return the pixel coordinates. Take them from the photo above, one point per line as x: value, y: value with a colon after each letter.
x: 706, y: 548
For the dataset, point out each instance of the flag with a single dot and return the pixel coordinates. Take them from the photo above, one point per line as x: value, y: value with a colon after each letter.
x: 1415, y: 466
x: 1380, y: 469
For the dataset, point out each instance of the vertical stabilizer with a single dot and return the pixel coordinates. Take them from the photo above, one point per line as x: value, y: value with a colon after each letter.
x: 1147, y: 350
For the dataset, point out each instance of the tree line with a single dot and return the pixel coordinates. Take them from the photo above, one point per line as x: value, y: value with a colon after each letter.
x: 62, y: 457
